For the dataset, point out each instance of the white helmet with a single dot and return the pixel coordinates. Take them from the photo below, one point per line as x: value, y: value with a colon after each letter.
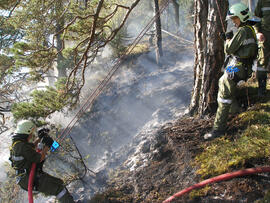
x: 241, y: 11
x: 25, y: 127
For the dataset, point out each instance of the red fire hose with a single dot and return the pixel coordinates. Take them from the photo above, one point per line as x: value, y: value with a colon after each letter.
x: 31, y: 180
x: 219, y: 178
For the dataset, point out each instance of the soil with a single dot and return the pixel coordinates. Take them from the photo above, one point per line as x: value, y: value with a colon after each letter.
x: 172, y: 169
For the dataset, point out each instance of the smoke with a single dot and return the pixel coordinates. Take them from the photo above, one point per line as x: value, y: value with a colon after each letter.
x: 4, y: 153
x: 136, y: 95
x: 140, y: 97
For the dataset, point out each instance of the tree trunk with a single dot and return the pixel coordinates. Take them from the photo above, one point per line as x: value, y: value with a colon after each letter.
x: 85, y: 3
x: 176, y: 13
x: 252, y: 5
x: 209, y: 55
x: 59, y: 42
x: 159, y: 52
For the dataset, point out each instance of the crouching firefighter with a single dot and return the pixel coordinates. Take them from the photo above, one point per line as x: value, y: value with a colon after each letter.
x: 243, y: 48
x: 23, y: 154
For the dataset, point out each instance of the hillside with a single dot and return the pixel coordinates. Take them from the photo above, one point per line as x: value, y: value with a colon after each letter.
x: 143, y: 149
x: 180, y: 158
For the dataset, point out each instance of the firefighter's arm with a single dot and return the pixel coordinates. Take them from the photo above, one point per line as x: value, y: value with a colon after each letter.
x: 232, y: 46
x: 29, y: 153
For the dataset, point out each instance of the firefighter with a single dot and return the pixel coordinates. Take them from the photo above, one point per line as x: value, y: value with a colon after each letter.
x: 23, y: 154
x: 242, y: 48
x: 262, y: 29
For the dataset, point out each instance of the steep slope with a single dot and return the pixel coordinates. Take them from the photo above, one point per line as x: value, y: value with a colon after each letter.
x: 141, y: 97
x: 173, y: 165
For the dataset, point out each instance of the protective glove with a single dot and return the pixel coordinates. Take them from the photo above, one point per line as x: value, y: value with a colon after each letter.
x: 229, y: 35
x: 47, y: 140
x: 225, y: 36
x: 43, y: 132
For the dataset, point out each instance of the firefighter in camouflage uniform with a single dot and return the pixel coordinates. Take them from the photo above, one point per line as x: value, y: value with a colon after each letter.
x: 262, y: 10
x: 23, y: 154
x: 242, y: 49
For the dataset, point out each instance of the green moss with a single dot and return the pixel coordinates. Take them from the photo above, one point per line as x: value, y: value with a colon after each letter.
x: 222, y: 155
x: 199, y: 193
x: 255, y: 117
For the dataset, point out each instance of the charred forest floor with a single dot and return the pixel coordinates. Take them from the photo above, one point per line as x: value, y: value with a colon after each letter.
x: 178, y: 164
x: 185, y: 158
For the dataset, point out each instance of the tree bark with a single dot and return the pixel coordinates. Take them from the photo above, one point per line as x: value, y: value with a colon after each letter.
x: 209, y: 55
x: 159, y: 51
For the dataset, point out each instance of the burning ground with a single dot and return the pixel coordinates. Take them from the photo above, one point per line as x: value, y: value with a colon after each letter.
x: 164, y: 153
x: 173, y: 164
x: 164, y: 158
x: 143, y: 150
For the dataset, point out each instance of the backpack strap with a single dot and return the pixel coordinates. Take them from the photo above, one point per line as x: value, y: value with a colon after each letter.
x: 253, y: 31
x: 12, y: 157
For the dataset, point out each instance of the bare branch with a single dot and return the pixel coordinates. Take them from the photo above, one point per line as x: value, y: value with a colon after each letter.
x: 93, y: 45
x: 14, y: 7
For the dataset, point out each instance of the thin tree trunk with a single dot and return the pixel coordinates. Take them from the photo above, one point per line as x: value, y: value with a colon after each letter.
x: 159, y: 51
x: 85, y: 3
x: 59, y: 42
x: 176, y: 12
x: 251, y: 5
x: 209, y: 55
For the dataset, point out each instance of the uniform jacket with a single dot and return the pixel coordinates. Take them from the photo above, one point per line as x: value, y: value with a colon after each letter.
x: 262, y: 10
x: 243, y: 44
x: 23, y: 154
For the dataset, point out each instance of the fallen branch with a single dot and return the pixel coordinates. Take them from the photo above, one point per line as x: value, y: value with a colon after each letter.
x: 177, y: 37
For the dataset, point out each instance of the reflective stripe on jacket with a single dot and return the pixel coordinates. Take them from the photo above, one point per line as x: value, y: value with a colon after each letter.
x: 23, y: 154
x: 243, y: 44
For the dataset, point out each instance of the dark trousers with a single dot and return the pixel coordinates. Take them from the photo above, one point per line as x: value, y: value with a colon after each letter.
x: 47, y: 185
